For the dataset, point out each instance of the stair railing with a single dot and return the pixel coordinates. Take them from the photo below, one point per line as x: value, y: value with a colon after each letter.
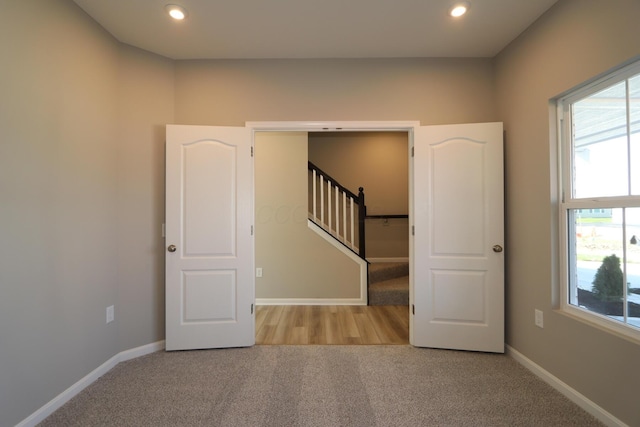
x: 334, y: 208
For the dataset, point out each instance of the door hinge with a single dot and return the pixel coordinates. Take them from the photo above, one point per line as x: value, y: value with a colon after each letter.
x: 412, y: 151
x: 251, y: 308
x: 251, y: 151
x: 252, y: 230
x: 413, y: 230
x: 413, y: 309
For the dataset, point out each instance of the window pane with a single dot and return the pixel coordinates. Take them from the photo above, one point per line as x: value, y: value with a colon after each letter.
x: 633, y: 266
x: 634, y: 113
x: 600, y: 144
x: 596, y: 273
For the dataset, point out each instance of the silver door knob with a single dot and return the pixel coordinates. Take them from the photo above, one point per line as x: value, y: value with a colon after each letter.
x: 497, y: 248
x: 171, y: 248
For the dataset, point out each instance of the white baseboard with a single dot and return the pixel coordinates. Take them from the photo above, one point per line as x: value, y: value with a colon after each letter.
x: 572, y: 394
x: 87, y: 380
x: 388, y: 259
x: 310, y: 301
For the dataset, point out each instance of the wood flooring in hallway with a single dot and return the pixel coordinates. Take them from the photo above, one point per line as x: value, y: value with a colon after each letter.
x: 332, y: 325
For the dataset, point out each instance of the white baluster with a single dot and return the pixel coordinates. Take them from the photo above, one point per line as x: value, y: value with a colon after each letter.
x: 344, y: 215
x: 322, y: 200
x: 337, y: 213
x: 315, y: 216
x: 329, y: 187
x: 352, y: 227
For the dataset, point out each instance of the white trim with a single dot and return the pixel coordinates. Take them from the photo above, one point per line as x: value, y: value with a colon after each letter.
x: 310, y: 301
x: 626, y: 331
x: 54, y: 404
x: 134, y: 353
x: 579, y: 399
x: 388, y: 259
x: 333, y: 126
x: 355, y: 258
x: 562, y: 145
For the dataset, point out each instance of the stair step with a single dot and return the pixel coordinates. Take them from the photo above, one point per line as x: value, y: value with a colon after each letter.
x: 382, y: 271
x: 393, y: 291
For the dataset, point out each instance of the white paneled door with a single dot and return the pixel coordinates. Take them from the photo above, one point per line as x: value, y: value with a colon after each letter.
x: 210, y: 251
x: 458, y: 258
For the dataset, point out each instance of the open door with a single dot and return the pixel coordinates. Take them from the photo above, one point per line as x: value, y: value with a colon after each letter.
x: 209, y: 237
x: 458, y: 215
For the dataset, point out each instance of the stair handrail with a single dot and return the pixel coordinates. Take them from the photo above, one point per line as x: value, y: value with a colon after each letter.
x: 359, y: 199
x: 333, y: 180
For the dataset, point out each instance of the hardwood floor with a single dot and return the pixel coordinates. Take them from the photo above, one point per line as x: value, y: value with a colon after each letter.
x: 330, y: 324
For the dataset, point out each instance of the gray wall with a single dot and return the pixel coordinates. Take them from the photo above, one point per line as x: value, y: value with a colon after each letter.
x: 81, y: 199
x: 145, y: 106
x: 573, y: 42
x: 434, y: 91
x: 81, y: 177
x: 58, y: 214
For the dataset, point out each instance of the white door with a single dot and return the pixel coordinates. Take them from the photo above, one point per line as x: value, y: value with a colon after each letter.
x: 209, y: 218
x: 458, y: 263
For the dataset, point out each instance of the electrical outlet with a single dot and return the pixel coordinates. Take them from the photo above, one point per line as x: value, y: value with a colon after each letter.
x: 259, y: 272
x: 110, y: 314
x: 539, y: 319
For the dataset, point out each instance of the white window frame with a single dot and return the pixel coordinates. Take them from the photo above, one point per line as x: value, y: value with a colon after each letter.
x: 566, y: 202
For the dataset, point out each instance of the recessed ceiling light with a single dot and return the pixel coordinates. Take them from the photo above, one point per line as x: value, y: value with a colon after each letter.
x: 176, y: 12
x: 459, y: 9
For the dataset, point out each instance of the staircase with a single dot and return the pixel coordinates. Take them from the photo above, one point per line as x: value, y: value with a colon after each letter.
x: 389, y: 283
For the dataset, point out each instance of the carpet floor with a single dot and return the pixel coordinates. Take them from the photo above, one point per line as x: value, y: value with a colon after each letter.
x: 320, y: 386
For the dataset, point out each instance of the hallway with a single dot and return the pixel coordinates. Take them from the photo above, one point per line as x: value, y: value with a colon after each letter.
x: 338, y: 325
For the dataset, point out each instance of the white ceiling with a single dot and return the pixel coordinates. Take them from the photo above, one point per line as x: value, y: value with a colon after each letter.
x: 316, y: 28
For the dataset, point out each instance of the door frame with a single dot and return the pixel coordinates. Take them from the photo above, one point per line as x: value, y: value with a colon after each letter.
x: 354, y: 126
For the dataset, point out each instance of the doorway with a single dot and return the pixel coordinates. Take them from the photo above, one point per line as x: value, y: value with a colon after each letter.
x: 290, y: 261
x: 378, y: 163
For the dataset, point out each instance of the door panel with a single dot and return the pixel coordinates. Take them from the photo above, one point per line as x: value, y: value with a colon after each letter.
x: 207, y: 162
x: 458, y: 279
x: 209, y: 215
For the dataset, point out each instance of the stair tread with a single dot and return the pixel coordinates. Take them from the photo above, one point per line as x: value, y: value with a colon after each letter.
x: 395, y: 283
x: 382, y: 271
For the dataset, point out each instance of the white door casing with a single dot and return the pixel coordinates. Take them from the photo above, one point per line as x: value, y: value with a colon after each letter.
x: 209, y: 219
x: 456, y: 207
x: 458, y: 215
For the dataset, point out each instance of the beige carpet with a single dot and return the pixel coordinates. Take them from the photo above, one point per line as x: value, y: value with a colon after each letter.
x: 320, y: 386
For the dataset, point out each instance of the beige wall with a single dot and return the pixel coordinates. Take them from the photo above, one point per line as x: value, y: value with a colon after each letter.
x: 294, y: 259
x: 434, y: 91
x: 378, y: 162
x: 575, y: 41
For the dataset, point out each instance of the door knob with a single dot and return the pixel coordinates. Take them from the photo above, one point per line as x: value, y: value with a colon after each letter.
x: 497, y: 248
x: 171, y: 248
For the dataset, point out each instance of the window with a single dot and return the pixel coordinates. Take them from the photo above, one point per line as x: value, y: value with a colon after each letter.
x: 600, y: 201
